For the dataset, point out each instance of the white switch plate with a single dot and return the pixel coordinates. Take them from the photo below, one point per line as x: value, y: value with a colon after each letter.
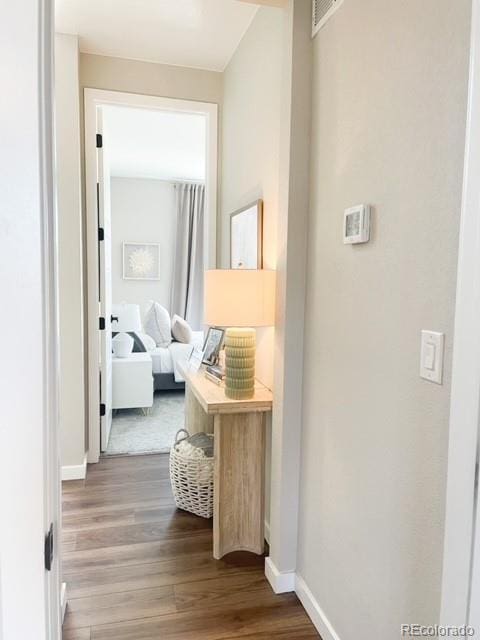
x: 431, y: 356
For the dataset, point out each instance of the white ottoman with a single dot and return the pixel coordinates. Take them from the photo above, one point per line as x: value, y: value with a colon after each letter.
x: 132, y: 382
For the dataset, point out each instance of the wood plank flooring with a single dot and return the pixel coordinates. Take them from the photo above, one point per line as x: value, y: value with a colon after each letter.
x: 139, y: 569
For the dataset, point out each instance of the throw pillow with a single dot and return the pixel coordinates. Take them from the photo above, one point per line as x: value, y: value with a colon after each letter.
x: 147, y: 341
x: 157, y: 325
x: 181, y: 330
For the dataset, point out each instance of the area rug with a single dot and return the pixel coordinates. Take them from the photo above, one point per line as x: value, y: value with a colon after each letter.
x: 133, y: 432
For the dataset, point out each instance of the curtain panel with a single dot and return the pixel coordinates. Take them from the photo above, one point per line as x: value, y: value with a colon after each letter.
x: 188, y: 266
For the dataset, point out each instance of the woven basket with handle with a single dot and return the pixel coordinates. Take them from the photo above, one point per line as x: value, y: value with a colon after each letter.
x: 191, y: 478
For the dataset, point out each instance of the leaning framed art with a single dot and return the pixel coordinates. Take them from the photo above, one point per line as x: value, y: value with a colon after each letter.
x: 246, y: 237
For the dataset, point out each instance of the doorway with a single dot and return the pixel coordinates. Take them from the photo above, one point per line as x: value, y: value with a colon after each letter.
x: 135, y: 164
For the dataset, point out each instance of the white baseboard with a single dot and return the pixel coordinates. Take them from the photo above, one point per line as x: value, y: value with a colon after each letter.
x: 280, y: 582
x: 285, y: 582
x: 315, y: 612
x: 63, y: 599
x: 75, y: 471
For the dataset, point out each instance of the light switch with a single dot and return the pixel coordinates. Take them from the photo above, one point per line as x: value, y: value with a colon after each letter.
x: 431, y: 356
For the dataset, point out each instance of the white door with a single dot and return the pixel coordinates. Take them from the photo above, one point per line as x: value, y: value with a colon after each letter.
x: 29, y: 469
x: 105, y: 283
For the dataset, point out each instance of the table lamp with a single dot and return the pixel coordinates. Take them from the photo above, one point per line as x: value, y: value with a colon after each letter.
x: 125, y: 319
x: 240, y: 299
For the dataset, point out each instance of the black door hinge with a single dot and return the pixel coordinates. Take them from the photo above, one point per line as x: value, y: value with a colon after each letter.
x: 101, y: 324
x: 49, y: 549
x: 101, y: 234
x: 103, y: 409
x: 99, y: 141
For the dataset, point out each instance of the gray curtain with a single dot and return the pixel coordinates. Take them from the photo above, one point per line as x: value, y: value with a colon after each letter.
x: 188, y: 265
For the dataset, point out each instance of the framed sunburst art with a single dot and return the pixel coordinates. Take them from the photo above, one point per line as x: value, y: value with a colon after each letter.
x: 141, y: 261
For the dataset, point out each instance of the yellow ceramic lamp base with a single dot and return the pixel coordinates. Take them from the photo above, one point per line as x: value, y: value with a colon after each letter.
x: 240, y: 363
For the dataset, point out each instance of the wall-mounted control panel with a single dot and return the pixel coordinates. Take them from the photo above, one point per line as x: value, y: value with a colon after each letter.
x: 431, y: 356
x: 356, y: 224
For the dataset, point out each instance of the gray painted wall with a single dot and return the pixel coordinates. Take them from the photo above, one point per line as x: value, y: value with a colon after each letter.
x: 134, y: 76
x: 388, y: 129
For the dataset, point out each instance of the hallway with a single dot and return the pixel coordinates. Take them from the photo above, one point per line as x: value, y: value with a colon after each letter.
x: 138, y: 569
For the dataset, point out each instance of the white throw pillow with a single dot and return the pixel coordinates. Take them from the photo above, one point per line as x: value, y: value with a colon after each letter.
x: 157, y: 325
x: 181, y: 330
x: 147, y: 341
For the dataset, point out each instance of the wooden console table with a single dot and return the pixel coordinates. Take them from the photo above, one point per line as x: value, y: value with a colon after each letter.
x: 239, y: 429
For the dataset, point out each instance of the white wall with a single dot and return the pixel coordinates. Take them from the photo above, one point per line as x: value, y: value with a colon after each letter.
x: 69, y: 203
x: 250, y: 155
x: 250, y: 149
x: 143, y: 210
x: 390, y: 87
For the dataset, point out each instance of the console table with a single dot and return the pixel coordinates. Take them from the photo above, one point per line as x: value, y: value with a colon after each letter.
x: 239, y: 476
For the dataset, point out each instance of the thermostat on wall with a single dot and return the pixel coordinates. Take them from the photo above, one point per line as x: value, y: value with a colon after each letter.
x: 356, y: 224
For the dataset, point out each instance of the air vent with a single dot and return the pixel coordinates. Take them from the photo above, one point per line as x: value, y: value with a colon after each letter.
x: 322, y: 10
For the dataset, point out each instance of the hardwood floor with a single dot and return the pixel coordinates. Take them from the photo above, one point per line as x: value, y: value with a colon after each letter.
x: 138, y: 569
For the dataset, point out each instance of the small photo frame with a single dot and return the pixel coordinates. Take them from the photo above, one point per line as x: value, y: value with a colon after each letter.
x: 212, y: 346
x: 141, y: 261
x: 195, y: 360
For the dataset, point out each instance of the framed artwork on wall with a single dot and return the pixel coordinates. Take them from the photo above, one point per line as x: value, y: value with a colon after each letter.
x: 246, y: 237
x: 141, y: 261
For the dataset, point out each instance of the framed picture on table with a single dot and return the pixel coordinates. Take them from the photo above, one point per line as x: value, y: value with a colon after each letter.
x: 195, y: 360
x: 212, y: 346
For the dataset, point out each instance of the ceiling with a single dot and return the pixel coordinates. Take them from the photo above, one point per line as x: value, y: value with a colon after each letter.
x: 155, y: 144
x: 190, y: 33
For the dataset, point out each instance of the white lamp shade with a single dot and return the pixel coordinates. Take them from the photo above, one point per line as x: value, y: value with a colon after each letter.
x: 122, y: 345
x: 240, y: 298
x: 128, y: 318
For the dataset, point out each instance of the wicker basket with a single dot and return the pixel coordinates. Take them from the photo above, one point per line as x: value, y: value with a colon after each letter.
x: 192, y: 479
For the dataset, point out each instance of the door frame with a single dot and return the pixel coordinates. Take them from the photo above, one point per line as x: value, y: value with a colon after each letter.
x: 56, y: 590
x: 462, y: 529
x: 94, y: 99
